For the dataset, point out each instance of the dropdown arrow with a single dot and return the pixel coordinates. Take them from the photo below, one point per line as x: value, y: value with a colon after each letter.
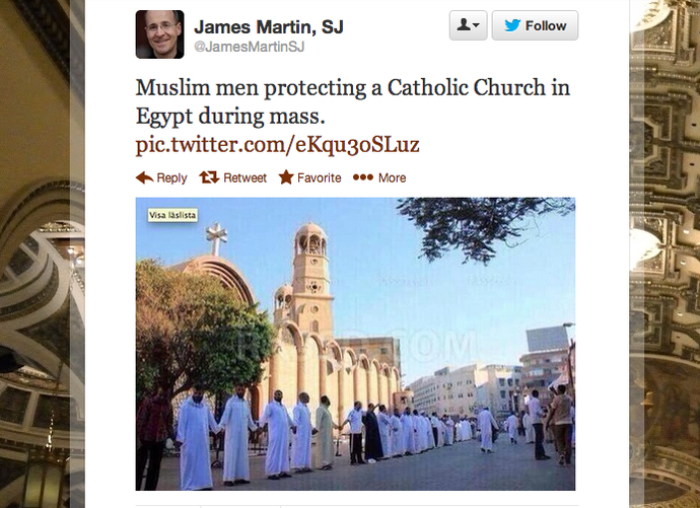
x: 476, y: 24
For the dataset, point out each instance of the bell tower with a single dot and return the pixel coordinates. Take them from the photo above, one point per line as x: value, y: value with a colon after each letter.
x: 311, y: 281
x: 283, y: 304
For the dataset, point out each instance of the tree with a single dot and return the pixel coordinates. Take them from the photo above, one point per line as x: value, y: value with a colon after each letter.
x: 190, y: 329
x: 476, y: 225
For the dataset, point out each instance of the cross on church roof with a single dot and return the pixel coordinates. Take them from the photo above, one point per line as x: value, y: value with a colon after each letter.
x: 216, y: 234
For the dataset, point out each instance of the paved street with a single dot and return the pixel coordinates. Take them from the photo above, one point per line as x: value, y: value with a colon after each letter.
x: 458, y: 467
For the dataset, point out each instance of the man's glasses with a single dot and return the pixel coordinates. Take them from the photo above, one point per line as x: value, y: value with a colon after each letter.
x: 165, y: 26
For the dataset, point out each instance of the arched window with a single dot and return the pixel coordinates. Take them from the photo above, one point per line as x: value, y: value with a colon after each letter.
x: 314, y: 245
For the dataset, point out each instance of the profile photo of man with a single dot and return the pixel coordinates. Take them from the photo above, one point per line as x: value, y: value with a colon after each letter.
x: 159, y: 34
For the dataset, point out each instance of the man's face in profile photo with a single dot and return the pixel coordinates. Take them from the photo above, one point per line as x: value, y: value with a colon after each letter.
x: 163, y: 29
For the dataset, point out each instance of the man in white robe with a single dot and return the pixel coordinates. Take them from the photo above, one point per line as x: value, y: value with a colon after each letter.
x: 237, y: 420
x: 277, y: 420
x: 301, y: 442
x: 486, y: 426
x: 325, y: 426
x: 423, y: 433
x: 397, y: 435
x: 449, y: 431
x: 459, y: 434
x: 428, y: 431
x: 441, y: 433
x: 194, y: 423
x: 384, y: 421
x: 512, y: 428
x: 466, y: 430
x: 409, y: 432
x: 418, y: 425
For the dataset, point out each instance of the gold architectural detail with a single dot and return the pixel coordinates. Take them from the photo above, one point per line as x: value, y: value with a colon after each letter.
x: 688, y: 500
x: 664, y: 172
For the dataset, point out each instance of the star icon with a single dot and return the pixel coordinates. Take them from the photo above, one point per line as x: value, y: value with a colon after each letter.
x: 286, y: 177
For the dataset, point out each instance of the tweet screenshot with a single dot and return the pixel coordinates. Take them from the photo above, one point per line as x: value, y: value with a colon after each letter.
x: 338, y: 253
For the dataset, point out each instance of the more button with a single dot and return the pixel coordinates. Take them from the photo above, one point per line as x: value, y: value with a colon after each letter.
x: 535, y: 25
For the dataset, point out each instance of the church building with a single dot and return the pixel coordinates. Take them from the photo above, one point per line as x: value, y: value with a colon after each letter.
x: 306, y: 354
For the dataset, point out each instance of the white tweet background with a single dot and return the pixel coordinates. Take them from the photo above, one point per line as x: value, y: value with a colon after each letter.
x: 470, y: 146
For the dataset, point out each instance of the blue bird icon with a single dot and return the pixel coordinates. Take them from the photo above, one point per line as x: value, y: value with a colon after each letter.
x: 512, y: 26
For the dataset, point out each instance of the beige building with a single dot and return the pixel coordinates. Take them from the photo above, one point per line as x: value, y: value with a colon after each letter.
x: 383, y: 349
x: 501, y: 392
x: 448, y: 391
x: 540, y: 369
x: 306, y: 355
x: 466, y: 390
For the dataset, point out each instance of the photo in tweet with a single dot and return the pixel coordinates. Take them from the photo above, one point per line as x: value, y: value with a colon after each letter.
x: 330, y: 344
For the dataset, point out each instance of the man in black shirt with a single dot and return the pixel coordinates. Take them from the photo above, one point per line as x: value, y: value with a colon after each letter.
x: 163, y: 28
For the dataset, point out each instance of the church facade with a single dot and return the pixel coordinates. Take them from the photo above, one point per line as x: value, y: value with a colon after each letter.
x: 306, y: 355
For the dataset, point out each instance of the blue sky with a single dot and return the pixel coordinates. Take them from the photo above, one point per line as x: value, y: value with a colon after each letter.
x: 444, y: 313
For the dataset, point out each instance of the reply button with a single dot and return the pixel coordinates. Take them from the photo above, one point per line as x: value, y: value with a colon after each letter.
x: 535, y: 25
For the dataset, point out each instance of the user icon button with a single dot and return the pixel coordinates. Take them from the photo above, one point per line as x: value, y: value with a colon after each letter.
x: 468, y: 25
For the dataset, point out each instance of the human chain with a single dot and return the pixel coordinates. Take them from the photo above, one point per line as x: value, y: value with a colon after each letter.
x: 376, y: 433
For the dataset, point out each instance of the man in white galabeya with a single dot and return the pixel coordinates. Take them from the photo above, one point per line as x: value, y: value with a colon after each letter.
x: 277, y: 420
x: 486, y: 426
x: 195, y: 422
x: 237, y: 421
x: 301, y: 442
x: 512, y: 428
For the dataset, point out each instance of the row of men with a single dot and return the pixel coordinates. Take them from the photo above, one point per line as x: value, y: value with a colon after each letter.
x: 385, y: 435
x: 395, y: 435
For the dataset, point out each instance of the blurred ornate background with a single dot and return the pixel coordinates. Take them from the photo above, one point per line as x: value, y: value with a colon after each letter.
x: 42, y: 251
x: 664, y: 223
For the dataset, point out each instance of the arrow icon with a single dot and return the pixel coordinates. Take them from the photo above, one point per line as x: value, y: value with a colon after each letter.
x: 476, y: 24
x: 206, y: 174
x: 143, y: 177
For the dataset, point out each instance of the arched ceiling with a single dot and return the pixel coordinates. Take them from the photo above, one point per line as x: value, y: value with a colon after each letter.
x: 664, y: 222
x: 42, y: 257
x: 41, y: 328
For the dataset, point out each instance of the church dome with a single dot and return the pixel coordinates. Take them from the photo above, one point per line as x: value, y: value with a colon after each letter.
x: 284, y: 289
x: 283, y: 297
x: 311, y: 229
x: 310, y: 239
